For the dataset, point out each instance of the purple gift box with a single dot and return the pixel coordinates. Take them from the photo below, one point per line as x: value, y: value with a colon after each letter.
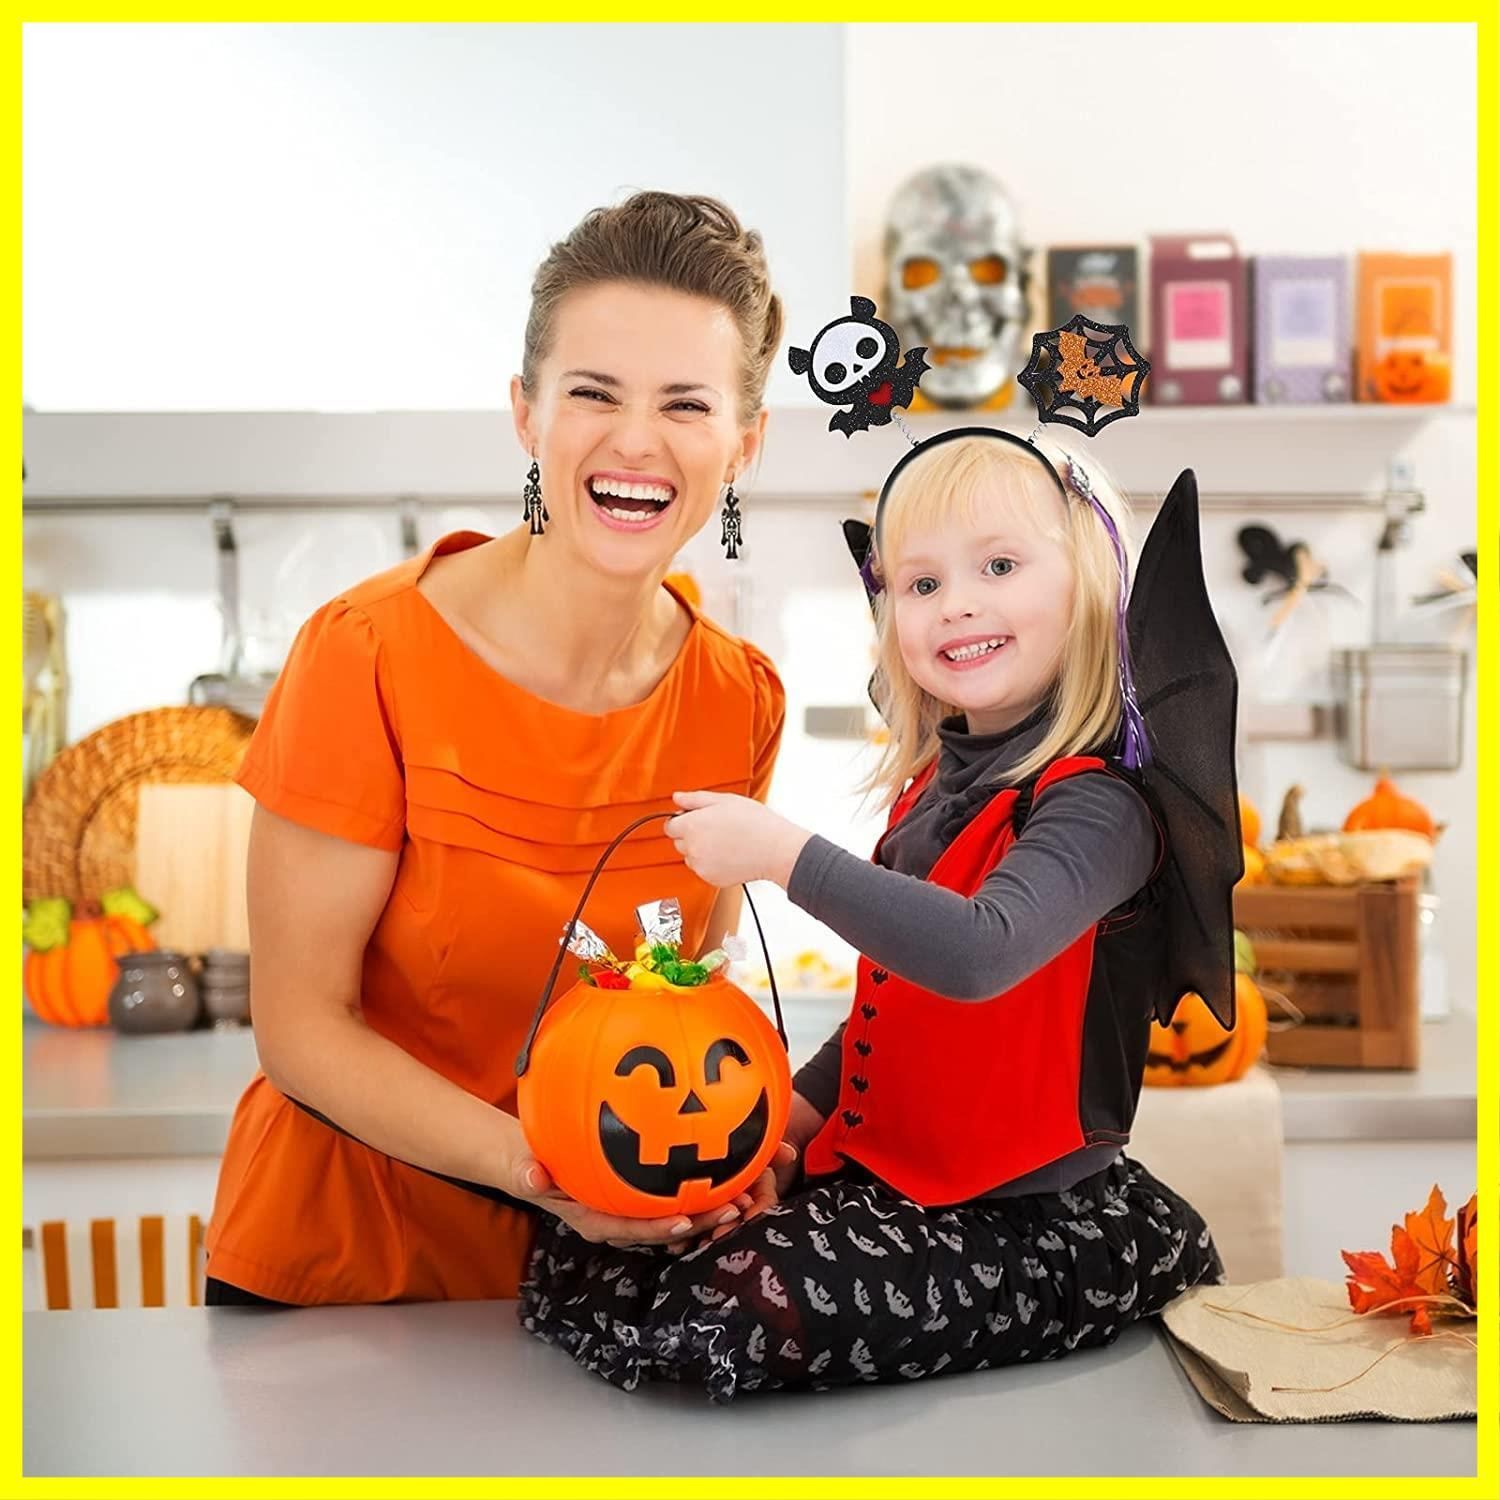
x: 1300, y: 353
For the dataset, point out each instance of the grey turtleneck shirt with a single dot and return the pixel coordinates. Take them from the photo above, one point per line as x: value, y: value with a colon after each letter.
x: 1087, y: 847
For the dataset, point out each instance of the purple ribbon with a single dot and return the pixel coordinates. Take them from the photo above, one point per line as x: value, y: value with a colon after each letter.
x: 1136, y: 749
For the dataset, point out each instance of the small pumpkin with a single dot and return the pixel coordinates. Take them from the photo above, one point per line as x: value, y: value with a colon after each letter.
x: 1249, y: 821
x: 71, y: 968
x: 655, y: 1099
x: 1412, y: 375
x: 1255, y: 867
x: 1386, y: 807
x: 1193, y: 1049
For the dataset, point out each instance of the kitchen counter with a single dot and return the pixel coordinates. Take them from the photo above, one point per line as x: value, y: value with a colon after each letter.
x: 459, y: 1388
x: 99, y: 1094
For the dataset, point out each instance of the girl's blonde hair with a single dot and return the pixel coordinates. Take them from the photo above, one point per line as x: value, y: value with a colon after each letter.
x: 973, y: 477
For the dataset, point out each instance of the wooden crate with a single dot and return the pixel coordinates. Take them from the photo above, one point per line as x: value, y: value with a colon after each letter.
x: 1346, y: 957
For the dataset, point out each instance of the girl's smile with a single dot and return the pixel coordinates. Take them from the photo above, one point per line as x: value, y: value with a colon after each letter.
x: 969, y: 652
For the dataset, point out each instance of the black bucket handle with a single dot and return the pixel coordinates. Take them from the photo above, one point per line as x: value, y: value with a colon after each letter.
x: 523, y: 1058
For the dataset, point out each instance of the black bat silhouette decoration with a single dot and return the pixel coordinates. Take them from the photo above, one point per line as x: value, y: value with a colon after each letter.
x: 1266, y: 555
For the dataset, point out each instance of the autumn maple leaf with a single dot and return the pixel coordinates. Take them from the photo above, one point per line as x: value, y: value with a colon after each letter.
x: 1466, y: 1277
x: 1422, y: 1260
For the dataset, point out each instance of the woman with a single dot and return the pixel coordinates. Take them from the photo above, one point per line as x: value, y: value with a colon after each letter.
x: 449, y: 749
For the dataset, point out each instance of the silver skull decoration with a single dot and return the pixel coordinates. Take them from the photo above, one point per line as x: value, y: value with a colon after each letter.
x: 956, y: 281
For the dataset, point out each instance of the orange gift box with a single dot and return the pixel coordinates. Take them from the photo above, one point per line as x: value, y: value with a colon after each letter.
x: 1405, y: 327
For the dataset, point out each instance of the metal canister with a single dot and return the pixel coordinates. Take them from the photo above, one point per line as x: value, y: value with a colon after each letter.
x: 1401, y: 708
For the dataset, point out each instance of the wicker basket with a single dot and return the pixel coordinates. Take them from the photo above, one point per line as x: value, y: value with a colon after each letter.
x: 1347, y: 958
x: 78, y: 829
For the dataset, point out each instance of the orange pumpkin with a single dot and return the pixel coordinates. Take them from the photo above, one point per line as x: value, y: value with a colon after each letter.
x: 69, y: 984
x: 1195, y: 1049
x: 1255, y: 867
x: 657, y: 1099
x: 1410, y: 375
x: 1385, y: 807
x: 1249, y: 822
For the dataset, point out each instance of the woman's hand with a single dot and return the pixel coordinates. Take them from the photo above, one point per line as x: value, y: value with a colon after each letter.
x: 728, y: 840
x: 803, y: 1123
x: 533, y: 1183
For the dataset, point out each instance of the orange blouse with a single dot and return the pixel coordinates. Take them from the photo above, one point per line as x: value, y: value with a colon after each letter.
x: 386, y: 729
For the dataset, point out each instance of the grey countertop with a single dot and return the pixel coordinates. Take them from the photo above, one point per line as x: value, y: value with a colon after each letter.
x: 459, y: 1388
x: 99, y: 1094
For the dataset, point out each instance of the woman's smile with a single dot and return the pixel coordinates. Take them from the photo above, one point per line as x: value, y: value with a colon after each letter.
x: 625, y: 501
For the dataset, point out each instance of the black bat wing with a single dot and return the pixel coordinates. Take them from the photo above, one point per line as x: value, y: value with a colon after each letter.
x: 909, y: 376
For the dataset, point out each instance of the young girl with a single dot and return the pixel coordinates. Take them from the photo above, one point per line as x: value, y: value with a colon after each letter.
x: 966, y: 1200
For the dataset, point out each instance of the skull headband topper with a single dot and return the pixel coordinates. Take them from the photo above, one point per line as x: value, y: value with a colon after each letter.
x: 855, y: 362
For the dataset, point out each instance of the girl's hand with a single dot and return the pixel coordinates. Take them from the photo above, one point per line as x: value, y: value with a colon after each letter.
x: 533, y: 1183
x: 728, y: 840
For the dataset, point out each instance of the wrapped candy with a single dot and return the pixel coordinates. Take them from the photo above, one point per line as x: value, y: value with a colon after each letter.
x: 588, y: 945
x: 715, y: 961
x: 661, y: 922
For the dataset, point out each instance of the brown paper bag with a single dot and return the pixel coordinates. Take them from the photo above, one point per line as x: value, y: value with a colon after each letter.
x: 1251, y: 1371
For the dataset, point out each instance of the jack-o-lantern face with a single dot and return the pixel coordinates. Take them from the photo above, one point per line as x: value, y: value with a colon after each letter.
x: 1411, y: 375
x: 1195, y: 1049
x: 684, y: 1133
x: 649, y: 1102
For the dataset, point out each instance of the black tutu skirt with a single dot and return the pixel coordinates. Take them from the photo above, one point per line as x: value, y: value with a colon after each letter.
x: 848, y: 1281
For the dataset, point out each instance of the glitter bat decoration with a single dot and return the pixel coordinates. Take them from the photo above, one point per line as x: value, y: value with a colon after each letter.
x: 855, y: 362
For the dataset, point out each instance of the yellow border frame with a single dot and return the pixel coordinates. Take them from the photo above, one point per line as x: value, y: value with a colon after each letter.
x: 1487, y: 1481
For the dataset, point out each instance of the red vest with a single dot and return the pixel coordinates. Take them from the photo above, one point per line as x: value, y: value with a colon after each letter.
x: 945, y: 1099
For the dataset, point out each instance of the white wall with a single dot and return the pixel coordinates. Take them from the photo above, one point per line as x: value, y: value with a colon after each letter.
x: 347, y: 217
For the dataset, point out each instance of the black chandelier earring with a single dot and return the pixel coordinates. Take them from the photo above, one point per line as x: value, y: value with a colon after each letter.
x: 536, y: 511
x: 732, y: 536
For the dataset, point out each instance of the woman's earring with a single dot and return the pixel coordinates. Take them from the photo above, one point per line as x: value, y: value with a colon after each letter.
x: 536, y: 512
x: 732, y: 536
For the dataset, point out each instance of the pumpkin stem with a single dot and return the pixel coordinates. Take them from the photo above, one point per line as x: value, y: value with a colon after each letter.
x: 46, y: 923
x: 124, y: 902
x: 1289, y: 825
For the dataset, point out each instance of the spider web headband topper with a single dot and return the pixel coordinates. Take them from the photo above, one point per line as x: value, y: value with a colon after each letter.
x: 1085, y: 374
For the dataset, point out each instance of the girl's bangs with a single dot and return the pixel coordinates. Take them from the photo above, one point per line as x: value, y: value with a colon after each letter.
x: 972, y: 480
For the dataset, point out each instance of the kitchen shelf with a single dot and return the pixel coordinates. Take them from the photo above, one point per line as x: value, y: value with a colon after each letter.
x: 84, y: 461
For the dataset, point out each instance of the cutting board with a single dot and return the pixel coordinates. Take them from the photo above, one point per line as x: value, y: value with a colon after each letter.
x: 191, y: 841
